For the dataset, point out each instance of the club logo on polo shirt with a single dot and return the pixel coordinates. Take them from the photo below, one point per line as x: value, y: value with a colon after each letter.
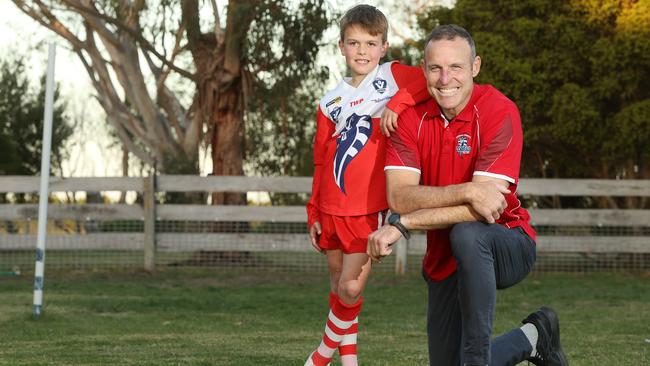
x: 462, y: 145
x: 349, y: 143
x: 380, y: 85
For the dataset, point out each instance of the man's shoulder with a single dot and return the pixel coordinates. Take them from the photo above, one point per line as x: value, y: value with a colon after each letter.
x: 493, y: 101
x: 423, y: 109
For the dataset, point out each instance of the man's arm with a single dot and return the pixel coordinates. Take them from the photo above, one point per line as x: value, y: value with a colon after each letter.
x: 380, y: 242
x: 483, y: 197
x: 442, y: 217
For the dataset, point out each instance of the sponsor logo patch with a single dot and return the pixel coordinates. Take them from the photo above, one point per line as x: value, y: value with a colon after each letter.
x: 336, y: 100
x: 380, y: 85
x: 356, y: 102
x: 378, y: 100
x: 335, y: 113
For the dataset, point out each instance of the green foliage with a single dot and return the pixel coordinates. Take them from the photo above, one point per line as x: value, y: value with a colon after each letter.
x: 9, y: 161
x: 579, y: 72
x: 21, y: 122
x: 284, y: 40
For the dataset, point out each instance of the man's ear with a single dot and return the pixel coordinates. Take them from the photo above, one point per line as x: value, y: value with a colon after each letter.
x: 476, y: 66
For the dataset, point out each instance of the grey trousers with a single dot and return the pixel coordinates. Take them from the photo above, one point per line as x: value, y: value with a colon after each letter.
x: 461, y: 308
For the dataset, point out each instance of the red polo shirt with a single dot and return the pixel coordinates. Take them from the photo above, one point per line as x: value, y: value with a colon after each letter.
x: 484, y: 139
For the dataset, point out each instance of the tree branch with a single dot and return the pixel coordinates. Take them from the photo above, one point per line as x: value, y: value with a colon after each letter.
x: 50, y: 21
x: 218, y: 31
x: 135, y: 33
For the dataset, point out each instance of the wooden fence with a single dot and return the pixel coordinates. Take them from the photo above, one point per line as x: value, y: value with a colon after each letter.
x: 150, y: 242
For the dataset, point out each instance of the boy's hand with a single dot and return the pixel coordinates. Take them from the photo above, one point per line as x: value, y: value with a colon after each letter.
x: 388, y: 122
x: 314, y: 235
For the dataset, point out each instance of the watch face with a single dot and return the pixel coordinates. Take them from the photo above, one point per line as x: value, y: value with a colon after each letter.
x: 393, y: 218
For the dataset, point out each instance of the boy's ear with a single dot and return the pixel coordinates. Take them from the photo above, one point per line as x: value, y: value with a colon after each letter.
x: 341, y: 47
x: 384, y: 49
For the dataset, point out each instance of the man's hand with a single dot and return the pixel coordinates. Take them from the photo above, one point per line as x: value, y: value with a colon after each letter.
x: 314, y: 235
x: 380, y: 242
x: 487, y: 199
x: 388, y: 122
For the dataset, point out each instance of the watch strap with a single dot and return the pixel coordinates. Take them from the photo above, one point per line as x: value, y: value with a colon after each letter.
x: 394, y: 221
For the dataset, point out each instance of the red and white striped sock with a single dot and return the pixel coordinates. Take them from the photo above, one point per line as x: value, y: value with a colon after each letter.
x: 348, y: 346
x: 341, y: 317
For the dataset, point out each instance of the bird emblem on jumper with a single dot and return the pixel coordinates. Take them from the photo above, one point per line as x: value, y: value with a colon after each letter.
x: 351, y: 140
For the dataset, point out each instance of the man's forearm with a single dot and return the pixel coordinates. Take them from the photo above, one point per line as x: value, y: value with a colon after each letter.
x: 439, y: 218
x: 409, y: 198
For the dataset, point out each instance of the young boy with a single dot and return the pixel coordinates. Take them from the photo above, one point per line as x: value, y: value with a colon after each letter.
x: 348, y: 199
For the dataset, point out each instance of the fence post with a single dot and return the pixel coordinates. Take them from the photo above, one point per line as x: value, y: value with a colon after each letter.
x: 401, y: 251
x: 149, y: 198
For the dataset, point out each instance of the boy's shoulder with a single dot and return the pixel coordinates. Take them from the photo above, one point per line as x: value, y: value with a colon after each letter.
x: 331, y: 103
x: 335, y: 95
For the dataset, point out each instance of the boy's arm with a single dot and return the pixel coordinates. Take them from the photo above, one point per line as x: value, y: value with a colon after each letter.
x: 324, y: 129
x: 412, y: 87
x: 412, y: 90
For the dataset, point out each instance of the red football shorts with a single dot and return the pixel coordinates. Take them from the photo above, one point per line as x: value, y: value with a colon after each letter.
x: 348, y: 233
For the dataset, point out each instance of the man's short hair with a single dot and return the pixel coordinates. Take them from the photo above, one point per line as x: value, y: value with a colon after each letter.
x: 367, y: 17
x: 449, y: 32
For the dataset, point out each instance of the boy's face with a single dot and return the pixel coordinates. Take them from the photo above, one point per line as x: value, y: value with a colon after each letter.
x: 362, y: 51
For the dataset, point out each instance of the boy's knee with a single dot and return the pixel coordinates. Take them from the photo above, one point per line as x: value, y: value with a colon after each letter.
x: 349, y: 291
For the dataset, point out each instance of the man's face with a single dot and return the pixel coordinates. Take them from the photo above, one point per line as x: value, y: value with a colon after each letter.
x: 362, y: 51
x: 450, y: 70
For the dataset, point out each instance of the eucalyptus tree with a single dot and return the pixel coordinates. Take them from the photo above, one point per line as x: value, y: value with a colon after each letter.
x: 173, y: 73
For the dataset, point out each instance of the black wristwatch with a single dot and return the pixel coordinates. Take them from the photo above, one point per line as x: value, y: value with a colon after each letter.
x: 393, y: 220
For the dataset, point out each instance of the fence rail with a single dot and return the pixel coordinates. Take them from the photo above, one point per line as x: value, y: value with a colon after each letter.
x: 150, y: 239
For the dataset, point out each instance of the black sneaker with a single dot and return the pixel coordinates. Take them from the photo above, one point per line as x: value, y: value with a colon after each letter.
x: 549, y: 351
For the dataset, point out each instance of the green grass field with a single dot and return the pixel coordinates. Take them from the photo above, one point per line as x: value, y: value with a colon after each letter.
x: 203, y: 317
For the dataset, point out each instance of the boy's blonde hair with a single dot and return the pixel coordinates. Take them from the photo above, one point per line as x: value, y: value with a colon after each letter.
x: 371, y: 19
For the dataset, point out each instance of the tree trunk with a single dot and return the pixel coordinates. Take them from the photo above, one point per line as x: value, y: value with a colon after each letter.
x: 221, y: 88
x: 227, y: 141
x: 125, y: 171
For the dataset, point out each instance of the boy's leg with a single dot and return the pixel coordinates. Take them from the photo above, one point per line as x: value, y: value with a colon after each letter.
x: 339, y: 321
x: 354, y: 232
x: 335, y: 266
x: 488, y: 257
x: 331, y: 243
x: 356, y: 269
x: 348, y: 346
